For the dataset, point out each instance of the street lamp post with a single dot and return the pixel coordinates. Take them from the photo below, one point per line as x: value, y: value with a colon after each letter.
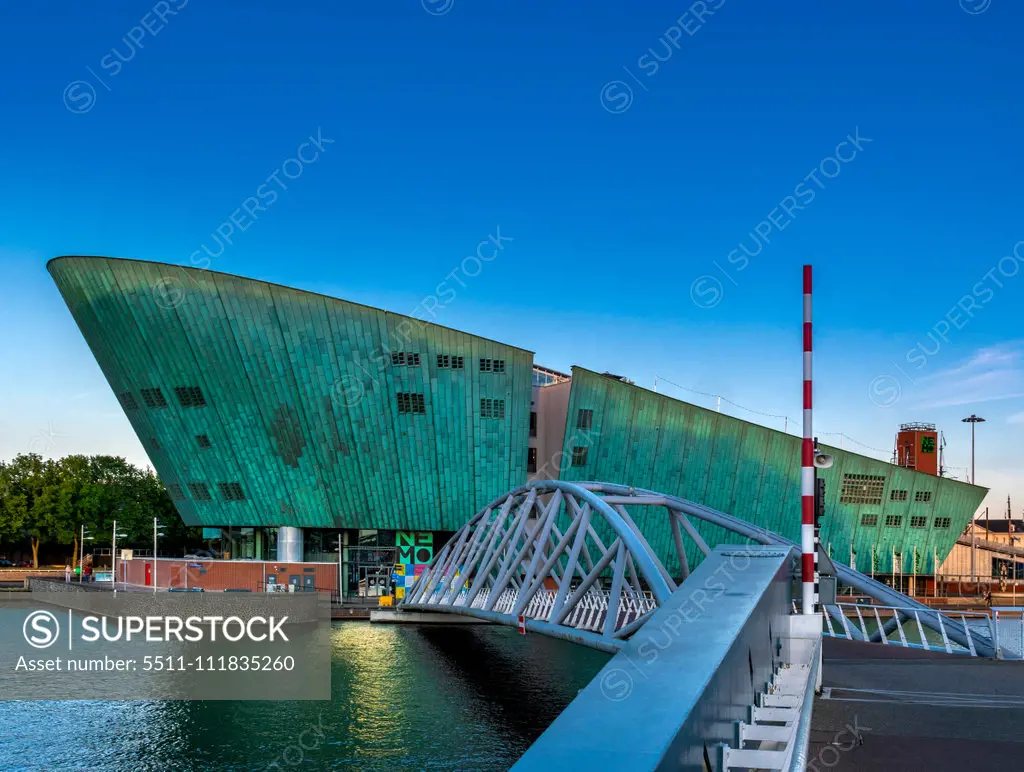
x: 340, y: 545
x: 81, y: 553
x: 972, y: 420
x: 113, y: 555
x: 156, y: 532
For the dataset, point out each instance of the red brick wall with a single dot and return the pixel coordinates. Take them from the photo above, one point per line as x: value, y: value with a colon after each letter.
x: 225, y: 574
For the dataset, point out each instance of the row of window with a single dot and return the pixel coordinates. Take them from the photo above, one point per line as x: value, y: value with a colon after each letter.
x: 403, y: 359
x: 919, y: 496
x: 229, y: 491
x: 192, y: 396
x: 415, y: 403
x: 409, y: 402
x: 446, y: 362
x: 188, y: 396
x: 896, y: 521
x: 868, y: 488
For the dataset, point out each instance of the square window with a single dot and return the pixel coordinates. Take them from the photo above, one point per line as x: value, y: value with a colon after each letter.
x: 499, y: 365
x: 579, y: 456
x: 153, y: 398
x: 897, y: 495
x: 893, y: 521
x: 231, y: 491
x: 918, y: 521
x: 584, y: 419
x: 451, y: 361
x: 409, y: 402
x: 401, y: 358
x: 175, y: 492
x: 943, y: 522
x: 199, y: 491
x: 203, y: 441
x: 862, y: 489
x: 128, y: 401
x: 492, y: 408
x: 485, y: 365
x: 869, y: 520
x: 190, y: 396
x: 923, y: 496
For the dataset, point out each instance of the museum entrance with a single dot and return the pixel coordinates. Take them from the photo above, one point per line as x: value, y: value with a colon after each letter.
x: 367, y: 571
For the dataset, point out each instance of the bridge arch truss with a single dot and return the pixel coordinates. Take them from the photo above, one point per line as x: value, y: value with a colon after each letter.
x: 568, y: 560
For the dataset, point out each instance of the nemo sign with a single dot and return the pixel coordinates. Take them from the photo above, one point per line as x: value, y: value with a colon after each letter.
x: 415, y: 547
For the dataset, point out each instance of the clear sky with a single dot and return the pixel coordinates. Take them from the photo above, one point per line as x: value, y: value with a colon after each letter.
x: 657, y: 172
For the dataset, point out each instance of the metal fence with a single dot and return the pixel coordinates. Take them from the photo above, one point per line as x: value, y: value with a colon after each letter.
x: 1002, y: 627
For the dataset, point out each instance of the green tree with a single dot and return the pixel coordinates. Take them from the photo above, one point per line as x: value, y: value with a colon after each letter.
x: 30, y: 498
x: 73, y: 510
x: 48, y: 502
x: 13, y: 503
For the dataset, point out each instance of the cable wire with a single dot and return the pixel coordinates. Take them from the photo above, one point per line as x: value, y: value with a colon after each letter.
x: 768, y: 415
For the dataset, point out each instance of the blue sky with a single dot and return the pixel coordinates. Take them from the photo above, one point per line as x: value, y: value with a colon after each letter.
x: 658, y: 173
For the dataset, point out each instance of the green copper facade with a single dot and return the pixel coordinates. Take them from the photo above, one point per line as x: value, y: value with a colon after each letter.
x: 265, y: 405
x: 637, y: 437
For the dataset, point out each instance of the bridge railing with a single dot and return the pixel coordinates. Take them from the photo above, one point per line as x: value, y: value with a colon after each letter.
x: 575, y: 539
x: 1002, y: 630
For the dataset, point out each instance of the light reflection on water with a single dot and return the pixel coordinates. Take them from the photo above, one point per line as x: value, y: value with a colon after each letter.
x: 431, y: 697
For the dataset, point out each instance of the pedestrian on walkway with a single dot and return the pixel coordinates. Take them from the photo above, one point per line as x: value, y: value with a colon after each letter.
x: 67, y: 574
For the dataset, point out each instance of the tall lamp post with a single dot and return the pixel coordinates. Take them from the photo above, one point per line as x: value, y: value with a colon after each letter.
x: 972, y: 420
x: 157, y: 525
x: 113, y: 555
x: 81, y: 552
x: 340, y: 546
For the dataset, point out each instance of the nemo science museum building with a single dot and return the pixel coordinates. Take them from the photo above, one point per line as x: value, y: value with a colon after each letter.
x: 293, y: 426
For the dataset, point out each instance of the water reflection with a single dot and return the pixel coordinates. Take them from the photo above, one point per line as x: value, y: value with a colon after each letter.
x: 442, y: 697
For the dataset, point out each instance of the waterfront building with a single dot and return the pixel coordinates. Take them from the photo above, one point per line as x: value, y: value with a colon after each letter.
x: 284, y: 421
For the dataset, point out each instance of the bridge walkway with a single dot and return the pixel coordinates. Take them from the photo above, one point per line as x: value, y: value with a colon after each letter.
x: 908, y: 709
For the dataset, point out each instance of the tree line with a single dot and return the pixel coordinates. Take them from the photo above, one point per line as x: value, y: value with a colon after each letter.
x: 47, y: 501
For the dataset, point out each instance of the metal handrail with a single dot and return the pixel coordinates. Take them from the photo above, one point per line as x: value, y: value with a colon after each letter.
x: 802, y: 738
x: 899, y: 614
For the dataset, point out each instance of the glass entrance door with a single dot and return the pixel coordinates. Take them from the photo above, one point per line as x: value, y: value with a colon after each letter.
x: 367, y: 569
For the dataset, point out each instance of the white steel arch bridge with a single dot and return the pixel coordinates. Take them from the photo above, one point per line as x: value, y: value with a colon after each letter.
x: 567, y: 559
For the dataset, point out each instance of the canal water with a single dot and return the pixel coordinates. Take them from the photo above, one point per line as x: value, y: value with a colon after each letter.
x: 430, y: 697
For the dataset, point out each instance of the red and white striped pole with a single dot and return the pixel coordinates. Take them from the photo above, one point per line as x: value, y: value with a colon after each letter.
x: 808, y: 559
